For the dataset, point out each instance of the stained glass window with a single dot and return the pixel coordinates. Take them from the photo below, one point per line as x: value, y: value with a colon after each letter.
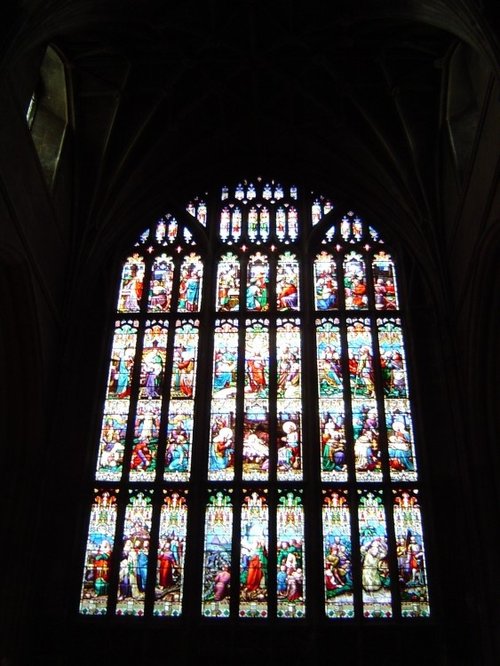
x: 257, y: 425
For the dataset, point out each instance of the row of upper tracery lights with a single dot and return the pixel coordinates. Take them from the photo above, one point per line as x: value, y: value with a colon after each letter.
x: 365, y: 424
x: 259, y: 216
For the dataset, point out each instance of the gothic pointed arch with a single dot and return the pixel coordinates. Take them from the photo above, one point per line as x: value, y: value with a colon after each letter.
x: 257, y: 424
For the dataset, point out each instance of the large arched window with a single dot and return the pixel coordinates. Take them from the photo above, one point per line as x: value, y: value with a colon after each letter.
x: 257, y: 425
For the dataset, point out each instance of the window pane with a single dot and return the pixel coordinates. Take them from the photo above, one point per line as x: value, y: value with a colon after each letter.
x: 171, y: 553
x: 374, y: 550
x: 217, y: 556
x: 291, y: 556
x: 337, y: 548
x: 254, y: 546
x: 100, y: 545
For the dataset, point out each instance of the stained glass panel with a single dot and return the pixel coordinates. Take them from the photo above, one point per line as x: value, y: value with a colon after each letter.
x: 134, y: 557
x: 160, y: 285
x: 122, y: 360
x: 366, y: 433
x: 179, y: 445
x: 112, y: 440
x: 190, y: 284
x: 337, y: 549
x: 287, y: 282
x: 325, y: 282
x: 384, y: 282
x: 256, y: 440
x: 289, y: 444
x: 185, y: 359
x: 374, y: 550
x: 329, y: 358
x: 410, y: 552
x: 131, y: 285
x: 98, y: 553
x: 290, y: 574
x: 332, y: 440
x: 228, y: 283
x: 254, y: 546
x: 217, y: 556
x: 171, y: 555
x: 355, y: 282
x: 222, y: 441
x: 257, y: 296
x: 392, y: 358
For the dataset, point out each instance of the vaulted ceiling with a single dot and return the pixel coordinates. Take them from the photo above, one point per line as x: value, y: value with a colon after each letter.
x: 168, y: 95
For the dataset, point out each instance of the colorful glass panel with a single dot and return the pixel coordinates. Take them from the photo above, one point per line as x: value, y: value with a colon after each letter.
x: 332, y: 440
x: 179, y: 443
x: 257, y: 290
x: 359, y: 343
x: 384, y: 282
x: 145, y: 444
x: 225, y: 224
x: 223, y: 411
x: 319, y: 208
x: 228, y: 283
x: 329, y: 358
x: 253, y: 223
x: 122, y: 360
x: 236, y: 218
x: 374, y: 551
x: 185, y: 356
x: 256, y: 409
x: 293, y: 223
x: 290, y: 558
x: 289, y: 440
x: 171, y: 555
x: 225, y: 359
x: 325, y: 282
x: 190, y: 284
x: 160, y: 284
x: 256, y: 440
x: 412, y: 574
x: 222, y: 441
x: 112, y: 440
x: 280, y: 223
x: 198, y: 210
x: 153, y: 360
x: 289, y: 393
x: 264, y: 223
x: 172, y: 229
x: 217, y: 562
x: 134, y: 556
x: 98, y: 553
x: 337, y: 549
x: 131, y: 285
x: 402, y: 462
x: 288, y: 339
x: 254, y: 546
x: 355, y: 282
x: 366, y: 434
x: 287, y: 282
x: 351, y: 228
x: 257, y: 358
x: 392, y: 358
